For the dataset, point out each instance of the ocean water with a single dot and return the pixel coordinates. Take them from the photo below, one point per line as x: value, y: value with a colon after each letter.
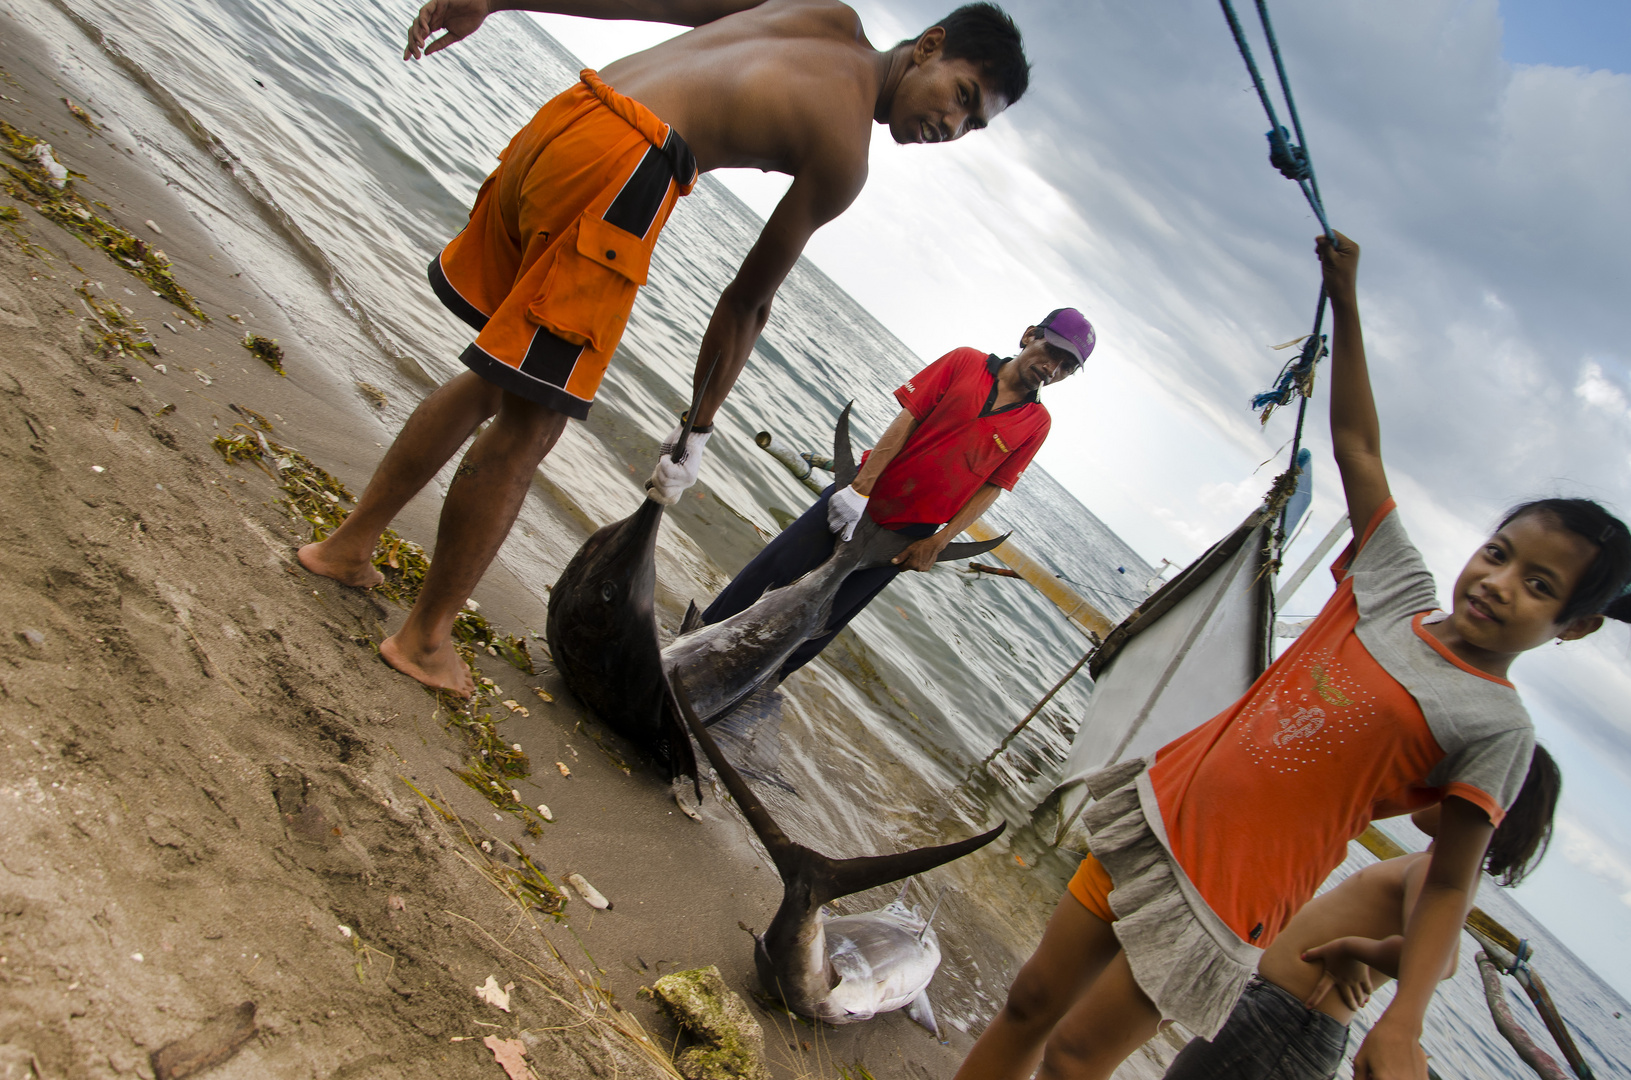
x: 357, y: 168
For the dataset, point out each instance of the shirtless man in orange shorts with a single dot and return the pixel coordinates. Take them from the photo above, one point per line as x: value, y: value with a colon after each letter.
x: 561, y: 236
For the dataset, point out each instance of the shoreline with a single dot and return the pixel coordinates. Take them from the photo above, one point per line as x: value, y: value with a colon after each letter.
x: 230, y: 758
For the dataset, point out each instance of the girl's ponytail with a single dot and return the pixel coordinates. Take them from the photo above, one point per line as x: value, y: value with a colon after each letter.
x: 1521, y: 840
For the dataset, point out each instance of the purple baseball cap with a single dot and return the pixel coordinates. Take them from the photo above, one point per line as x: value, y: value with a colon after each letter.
x: 1069, y: 330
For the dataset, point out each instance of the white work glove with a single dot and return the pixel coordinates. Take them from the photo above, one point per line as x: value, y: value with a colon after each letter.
x: 844, y: 511
x: 670, y: 479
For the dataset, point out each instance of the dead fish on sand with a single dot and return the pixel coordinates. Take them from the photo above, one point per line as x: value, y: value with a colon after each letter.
x: 846, y: 969
x: 602, y: 630
x: 721, y: 664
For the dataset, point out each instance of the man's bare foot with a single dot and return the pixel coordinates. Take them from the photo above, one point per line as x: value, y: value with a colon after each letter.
x: 319, y: 560
x: 440, y: 669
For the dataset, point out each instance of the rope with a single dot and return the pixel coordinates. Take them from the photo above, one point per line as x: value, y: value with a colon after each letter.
x: 1290, y: 158
x: 1294, y: 163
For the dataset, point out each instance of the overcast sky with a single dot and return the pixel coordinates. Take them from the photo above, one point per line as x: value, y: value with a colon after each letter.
x: 1481, y: 155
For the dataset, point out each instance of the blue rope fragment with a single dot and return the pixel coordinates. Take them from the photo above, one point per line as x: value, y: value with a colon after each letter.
x: 1296, y: 376
x: 1289, y: 158
x: 1293, y: 162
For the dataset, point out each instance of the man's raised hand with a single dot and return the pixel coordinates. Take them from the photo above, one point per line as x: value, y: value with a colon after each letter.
x: 459, y: 18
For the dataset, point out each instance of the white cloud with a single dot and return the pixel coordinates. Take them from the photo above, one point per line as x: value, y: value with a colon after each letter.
x: 1595, y: 389
x: 1586, y: 850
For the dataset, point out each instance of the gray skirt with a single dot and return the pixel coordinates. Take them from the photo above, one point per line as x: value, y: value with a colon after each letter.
x: 1185, y: 958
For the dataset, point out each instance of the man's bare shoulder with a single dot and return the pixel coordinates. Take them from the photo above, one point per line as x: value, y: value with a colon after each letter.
x: 826, y: 18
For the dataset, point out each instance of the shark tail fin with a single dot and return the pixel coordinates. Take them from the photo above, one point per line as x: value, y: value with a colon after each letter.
x: 969, y: 549
x: 692, y: 620
x: 844, y: 469
x: 829, y: 878
x: 845, y: 876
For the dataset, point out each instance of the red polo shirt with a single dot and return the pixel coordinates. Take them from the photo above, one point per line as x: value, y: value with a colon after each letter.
x: 961, y: 442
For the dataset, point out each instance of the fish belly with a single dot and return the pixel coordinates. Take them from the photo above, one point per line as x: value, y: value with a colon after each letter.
x: 881, y: 963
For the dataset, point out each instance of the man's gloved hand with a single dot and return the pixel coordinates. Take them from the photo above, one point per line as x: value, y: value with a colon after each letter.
x: 669, y: 479
x: 844, y: 511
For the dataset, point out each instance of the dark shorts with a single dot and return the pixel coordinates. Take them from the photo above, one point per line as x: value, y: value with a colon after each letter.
x: 1269, y: 1036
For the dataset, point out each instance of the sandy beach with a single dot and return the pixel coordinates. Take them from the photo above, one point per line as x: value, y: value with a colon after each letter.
x: 213, y: 790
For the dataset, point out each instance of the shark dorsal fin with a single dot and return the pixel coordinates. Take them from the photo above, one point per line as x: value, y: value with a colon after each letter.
x: 828, y: 878
x: 692, y: 620
x: 844, y: 469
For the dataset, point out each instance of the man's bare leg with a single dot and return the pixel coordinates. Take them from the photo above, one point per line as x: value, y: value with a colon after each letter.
x: 430, y: 438
x: 1076, y: 948
x: 482, y: 504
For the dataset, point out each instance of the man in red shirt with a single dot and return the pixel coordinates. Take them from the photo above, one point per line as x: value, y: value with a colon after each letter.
x: 969, y: 425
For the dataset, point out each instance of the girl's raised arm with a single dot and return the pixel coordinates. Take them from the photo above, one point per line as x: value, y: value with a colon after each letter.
x: 1356, y: 434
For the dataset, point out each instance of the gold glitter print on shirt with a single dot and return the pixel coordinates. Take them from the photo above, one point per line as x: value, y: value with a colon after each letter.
x: 1307, y: 712
x: 1322, y: 686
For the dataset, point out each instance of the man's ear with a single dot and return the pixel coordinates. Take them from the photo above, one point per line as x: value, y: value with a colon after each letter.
x: 1031, y: 334
x: 929, y: 45
x: 1586, y: 624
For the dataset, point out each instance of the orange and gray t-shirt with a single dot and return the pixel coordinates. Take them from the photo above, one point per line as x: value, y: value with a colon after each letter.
x: 1365, y: 716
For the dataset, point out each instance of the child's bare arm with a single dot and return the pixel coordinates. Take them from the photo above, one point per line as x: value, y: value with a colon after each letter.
x: 1382, y: 955
x: 460, y: 18
x: 1414, y: 879
x: 1392, y: 1049
x: 1356, y: 433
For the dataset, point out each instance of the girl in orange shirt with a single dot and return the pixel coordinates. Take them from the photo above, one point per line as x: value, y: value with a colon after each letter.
x: 1202, y: 853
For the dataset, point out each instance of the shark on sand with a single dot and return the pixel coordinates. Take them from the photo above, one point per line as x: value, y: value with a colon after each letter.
x: 602, y: 627
x: 846, y: 969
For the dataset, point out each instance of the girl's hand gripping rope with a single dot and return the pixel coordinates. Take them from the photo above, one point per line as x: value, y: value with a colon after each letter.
x: 1341, y: 265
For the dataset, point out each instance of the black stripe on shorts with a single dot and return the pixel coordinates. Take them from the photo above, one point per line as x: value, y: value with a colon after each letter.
x: 450, y: 298
x: 636, y: 206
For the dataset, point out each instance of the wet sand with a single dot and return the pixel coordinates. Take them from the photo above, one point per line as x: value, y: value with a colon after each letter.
x: 207, y: 769
x: 206, y: 762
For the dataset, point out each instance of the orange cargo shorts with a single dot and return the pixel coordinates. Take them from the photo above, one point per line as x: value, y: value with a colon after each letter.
x: 560, y: 241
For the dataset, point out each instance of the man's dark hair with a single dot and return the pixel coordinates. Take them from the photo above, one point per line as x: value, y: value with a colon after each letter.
x: 985, y: 36
x: 1524, y: 834
x: 1601, y: 589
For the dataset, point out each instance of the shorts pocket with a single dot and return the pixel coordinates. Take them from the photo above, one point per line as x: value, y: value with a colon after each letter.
x: 590, y: 288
